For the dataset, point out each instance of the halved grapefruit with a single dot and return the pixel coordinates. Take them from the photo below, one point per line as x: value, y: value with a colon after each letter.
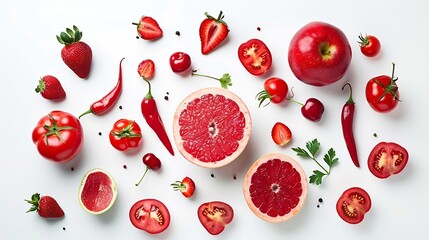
x: 275, y: 187
x: 211, y: 127
x: 97, y: 191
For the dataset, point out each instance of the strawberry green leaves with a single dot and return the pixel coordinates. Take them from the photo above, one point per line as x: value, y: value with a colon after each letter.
x: 312, y: 148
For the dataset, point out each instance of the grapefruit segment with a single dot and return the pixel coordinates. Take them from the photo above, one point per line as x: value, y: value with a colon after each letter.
x: 97, y: 191
x: 275, y: 187
x: 211, y: 127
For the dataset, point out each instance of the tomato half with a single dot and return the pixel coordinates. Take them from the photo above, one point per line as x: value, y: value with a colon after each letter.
x: 382, y: 93
x: 125, y: 135
x: 215, y: 216
x: 255, y: 56
x: 386, y: 159
x: 353, y: 204
x: 58, y: 136
x: 150, y: 215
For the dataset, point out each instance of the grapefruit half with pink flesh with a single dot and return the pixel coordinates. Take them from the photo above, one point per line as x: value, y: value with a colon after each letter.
x: 97, y: 191
x: 275, y: 187
x: 211, y: 127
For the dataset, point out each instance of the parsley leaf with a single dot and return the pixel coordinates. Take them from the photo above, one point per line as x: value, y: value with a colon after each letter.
x: 317, y: 176
x: 302, y: 153
x: 329, y: 158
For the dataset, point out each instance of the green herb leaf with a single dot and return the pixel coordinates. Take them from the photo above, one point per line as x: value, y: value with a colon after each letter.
x: 317, y: 176
x: 330, y: 158
x: 313, y: 146
x: 225, y: 80
x: 301, y: 152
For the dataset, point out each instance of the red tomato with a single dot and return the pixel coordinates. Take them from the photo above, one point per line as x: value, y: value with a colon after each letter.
x: 180, y: 61
x: 353, y: 204
x: 369, y: 45
x: 125, y: 135
x: 58, y: 136
x: 386, y: 159
x: 255, y: 56
x: 382, y: 93
x: 215, y: 216
x: 275, y: 89
x: 150, y: 215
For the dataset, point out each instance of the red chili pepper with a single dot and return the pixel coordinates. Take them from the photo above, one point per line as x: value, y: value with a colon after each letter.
x: 106, y: 103
x: 151, y: 115
x: 347, y: 115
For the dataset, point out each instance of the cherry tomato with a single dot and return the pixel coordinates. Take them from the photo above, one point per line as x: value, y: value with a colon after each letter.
x: 275, y: 89
x: 215, y: 216
x: 353, y: 204
x: 255, y: 56
x: 369, y: 45
x: 313, y: 109
x: 382, y: 93
x: 58, y: 136
x: 125, y: 135
x: 386, y: 159
x: 150, y: 215
x: 180, y: 61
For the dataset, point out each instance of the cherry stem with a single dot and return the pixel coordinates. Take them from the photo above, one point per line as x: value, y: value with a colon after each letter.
x: 144, y: 174
x: 292, y: 100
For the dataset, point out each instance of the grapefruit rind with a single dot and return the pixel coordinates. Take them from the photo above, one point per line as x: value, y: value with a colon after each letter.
x: 247, y: 182
x: 112, y: 186
x: 246, y: 133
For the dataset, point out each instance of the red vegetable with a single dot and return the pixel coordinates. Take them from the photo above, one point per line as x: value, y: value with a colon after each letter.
x: 353, y: 204
x: 151, y: 115
x: 347, y: 115
x: 58, y: 136
x: 125, y: 135
x: 106, y: 103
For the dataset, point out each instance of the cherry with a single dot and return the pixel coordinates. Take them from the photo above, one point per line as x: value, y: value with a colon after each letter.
x: 180, y: 61
x: 313, y: 109
x: 152, y: 162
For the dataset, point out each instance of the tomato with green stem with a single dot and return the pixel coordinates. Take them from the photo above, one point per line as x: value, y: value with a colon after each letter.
x: 275, y: 89
x: 370, y: 46
x: 382, y: 92
x: 58, y: 136
x: 125, y: 135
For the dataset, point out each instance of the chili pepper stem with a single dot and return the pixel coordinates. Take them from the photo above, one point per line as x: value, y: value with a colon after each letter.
x: 350, y: 100
x: 149, y: 91
x: 87, y: 112
x: 144, y: 174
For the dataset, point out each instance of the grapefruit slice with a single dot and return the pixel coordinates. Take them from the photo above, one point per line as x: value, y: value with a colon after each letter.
x: 211, y: 127
x: 275, y: 187
x: 97, y: 191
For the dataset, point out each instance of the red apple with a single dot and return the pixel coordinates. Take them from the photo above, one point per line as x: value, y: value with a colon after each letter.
x: 319, y: 54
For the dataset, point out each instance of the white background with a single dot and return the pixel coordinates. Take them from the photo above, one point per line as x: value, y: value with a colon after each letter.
x: 29, y: 50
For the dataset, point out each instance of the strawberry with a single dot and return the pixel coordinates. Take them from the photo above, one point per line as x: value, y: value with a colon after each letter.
x: 186, y: 187
x: 50, y: 88
x: 212, y: 32
x: 281, y: 134
x: 146, y: 69
x: 77, y: 55
x: 46, y: 206
x: 148, y: 28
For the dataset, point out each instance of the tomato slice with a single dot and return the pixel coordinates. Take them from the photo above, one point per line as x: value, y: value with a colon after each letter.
x: 255, y: 56
x: 215, y: 216
x: 353, y: 204
x: 386, y: 159
x: 150, y: 215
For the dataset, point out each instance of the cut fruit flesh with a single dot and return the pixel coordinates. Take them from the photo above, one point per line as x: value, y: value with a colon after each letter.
x: 275, y: 187
x: 97, y: 191
x: 211, y: 127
